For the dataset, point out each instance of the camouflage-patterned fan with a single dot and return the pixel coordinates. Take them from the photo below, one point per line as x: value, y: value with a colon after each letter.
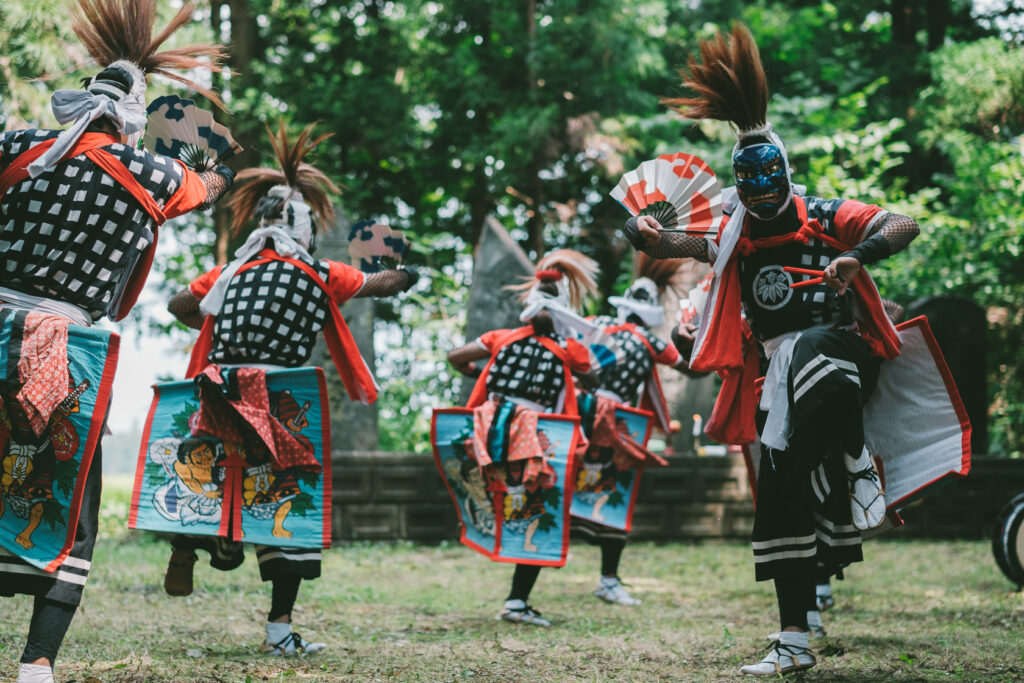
x: 177, y: 128
x: 373, y: 247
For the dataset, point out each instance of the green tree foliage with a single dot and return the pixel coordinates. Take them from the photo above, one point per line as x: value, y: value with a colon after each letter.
x: 446, y: 112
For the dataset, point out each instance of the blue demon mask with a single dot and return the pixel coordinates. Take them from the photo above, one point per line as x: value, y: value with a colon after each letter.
x: 762, y: 180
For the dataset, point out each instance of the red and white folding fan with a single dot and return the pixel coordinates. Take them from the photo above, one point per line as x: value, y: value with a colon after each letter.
x: 680, y: 191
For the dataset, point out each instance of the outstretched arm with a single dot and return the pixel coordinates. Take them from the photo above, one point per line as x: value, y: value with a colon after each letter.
x: 185, y: 307
x: 893, y: 234
x: 218, y: 180
x: 683, y: 337
x: 388, y: 282
x: 462, y: 358
x: 645, y: 234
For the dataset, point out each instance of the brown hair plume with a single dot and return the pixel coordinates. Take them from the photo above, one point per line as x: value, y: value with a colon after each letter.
x: 665, y: 273
x: 728, y: 82
x: 112, y: 30
x: 252, y: 184
x: 579, y: 270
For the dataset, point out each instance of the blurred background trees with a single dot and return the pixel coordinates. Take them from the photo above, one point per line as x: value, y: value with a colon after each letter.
x: 447, y: 112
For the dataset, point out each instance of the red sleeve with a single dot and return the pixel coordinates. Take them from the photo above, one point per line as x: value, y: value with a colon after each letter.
x: 344, y: 281
x: 668, y: 356
x: 191, y: 194
x: 201, y: 286
x: 579, y: 357
x: 853, y: 219
x: 490, y: 340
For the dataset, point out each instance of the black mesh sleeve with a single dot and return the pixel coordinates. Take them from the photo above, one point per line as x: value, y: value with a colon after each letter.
x: 185, y: 307
x: 893, y: 310
x: 670, y: 244
x: 898, y: 231
x: 388, y: 282
x: 218, y: 181
x: 893, y: 235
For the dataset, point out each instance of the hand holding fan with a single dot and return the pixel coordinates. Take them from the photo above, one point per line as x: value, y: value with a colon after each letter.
x: 177, y: 128
x: 678, y: 190
x: 374, y: 246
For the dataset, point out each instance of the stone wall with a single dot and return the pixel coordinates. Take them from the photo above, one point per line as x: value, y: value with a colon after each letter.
x: 385, y: 496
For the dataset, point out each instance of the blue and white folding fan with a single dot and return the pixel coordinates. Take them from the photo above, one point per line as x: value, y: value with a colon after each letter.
x: 177, y: 128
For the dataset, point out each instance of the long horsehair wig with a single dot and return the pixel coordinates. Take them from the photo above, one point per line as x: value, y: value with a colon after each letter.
x: 249, y: 200
x: 665, y: 273
x: 579, y: 270
x: 113, y: 30
x: 728, y: 82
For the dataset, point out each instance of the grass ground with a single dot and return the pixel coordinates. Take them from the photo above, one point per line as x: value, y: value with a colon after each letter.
x: 914, y: 611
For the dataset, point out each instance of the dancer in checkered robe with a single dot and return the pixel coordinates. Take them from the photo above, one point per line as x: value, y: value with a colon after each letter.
x: 632, y: 380
x: 817, y: 490
x: 265, y: 310
x: 531, y: 370
x: 79, y: 213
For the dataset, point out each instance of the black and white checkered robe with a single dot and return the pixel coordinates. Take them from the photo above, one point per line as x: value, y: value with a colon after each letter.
x: 525, y: 369
x: 627, y: 376
x: 73, y: 233
x: 272, y: 313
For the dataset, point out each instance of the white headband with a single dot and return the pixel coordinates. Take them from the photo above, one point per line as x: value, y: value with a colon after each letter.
x: 128, y: 113
x: 296, y: 215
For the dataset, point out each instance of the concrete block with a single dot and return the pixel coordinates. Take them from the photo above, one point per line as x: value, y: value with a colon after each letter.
x: 351, y: 484
x: 400, y: 483
x: 430, y: 522
x: 371, y: 522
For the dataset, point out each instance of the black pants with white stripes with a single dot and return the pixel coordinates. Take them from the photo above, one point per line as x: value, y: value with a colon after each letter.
x: 58, y: 594
x: 284, y: 568
x: 803, y: 509
x: 525, y: 575
x: 274, y: 562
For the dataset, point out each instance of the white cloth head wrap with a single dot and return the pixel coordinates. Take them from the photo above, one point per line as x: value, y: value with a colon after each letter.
x: 567, y: 322
x: 85, y: 106
x: 296, y: 215
x: 283, y: 245
x: 651, y: 312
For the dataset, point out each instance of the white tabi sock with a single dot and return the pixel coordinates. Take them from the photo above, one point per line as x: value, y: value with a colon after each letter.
x: 867, y: 500
x: 35, y: 673
x: 277, y: 631
x: 795, y: 638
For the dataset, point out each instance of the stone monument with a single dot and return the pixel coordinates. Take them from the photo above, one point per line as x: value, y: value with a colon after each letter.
x: 353, y: 425
x: 498, y: 262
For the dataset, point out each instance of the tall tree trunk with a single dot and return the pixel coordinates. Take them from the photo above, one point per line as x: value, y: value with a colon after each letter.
x: 939, y: 16
x: 244, y: 42
x: 903, y: 25
x: 535, y: 188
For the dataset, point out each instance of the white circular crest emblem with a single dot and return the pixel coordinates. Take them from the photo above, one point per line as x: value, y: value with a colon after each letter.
x: 771, y: 287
